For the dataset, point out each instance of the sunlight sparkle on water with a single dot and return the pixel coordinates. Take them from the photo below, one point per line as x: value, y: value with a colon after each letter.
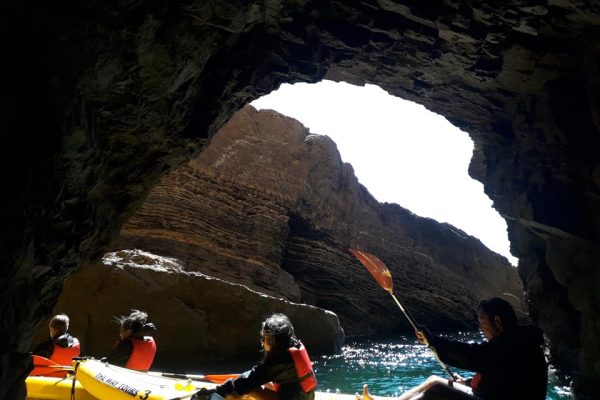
x: 378, y: 364
x: 391, y: 367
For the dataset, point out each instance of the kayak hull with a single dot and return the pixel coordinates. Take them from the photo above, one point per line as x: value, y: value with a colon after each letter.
x: 52, y: 388
x: 107, y: 381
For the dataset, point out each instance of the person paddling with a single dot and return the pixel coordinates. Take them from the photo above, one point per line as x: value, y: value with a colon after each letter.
x: 509, y: 365
x: 61, y: 347
x: 136, y: 348
x: 285, y: 365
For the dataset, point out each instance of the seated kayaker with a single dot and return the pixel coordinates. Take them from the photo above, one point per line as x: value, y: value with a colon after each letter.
x: 509, y: 365
x: 135, y: 348
x: 61, y: 347
x: 285, y: 367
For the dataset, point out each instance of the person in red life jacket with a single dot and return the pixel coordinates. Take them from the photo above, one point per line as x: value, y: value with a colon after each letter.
x: 509, y: 365
x: 285, y: 366
x: 61, y: 347
x: 136, y: 348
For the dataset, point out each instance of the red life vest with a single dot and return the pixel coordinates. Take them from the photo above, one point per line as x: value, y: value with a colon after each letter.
x: 308, y: 381
x: 142, y: 354
x: 64, y: 355
x: 475, y: 381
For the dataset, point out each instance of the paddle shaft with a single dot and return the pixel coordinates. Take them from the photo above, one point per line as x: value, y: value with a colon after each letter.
x: 43, y: 366
x: 211, y: 378
x: 406, y: 313
x: 58, y: 367
x: 383, y: 277
x: 414, y: 324
x: 52, y: 366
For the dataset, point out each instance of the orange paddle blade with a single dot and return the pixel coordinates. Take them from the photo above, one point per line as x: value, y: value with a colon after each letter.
x: 220, y: 378
x: 376, y: 267
x: 45, y: 367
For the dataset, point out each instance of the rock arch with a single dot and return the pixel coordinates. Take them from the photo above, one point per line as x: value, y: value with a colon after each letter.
x: 105, y: 97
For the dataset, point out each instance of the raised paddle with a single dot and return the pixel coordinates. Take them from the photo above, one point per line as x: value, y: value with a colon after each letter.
x: 384, y: 278
x: 211, y: 378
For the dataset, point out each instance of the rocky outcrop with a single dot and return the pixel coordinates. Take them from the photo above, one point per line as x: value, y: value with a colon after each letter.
x: 199, y: 319
x: 102, y: 98
x: 273, y: 207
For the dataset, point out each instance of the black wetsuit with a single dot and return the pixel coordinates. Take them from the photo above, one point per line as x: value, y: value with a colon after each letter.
x: 46, y: 348
x: 280, y: 370
x: 512, y: 365
x: 122, y: 351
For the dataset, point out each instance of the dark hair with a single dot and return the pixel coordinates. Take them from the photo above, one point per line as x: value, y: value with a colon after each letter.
x: 497, y: 307
x: 60, y: 322
x: 279, y: 328
x: 135, y: 322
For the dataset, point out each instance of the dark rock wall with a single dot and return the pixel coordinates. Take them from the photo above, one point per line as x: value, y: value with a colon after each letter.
x: 102, y: 98
x: 271, y: 206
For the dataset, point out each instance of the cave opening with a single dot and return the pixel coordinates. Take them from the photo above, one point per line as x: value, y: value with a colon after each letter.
x: 402, y: 152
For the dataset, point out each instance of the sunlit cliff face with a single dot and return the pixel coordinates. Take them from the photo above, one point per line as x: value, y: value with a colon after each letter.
x: 124, y: 92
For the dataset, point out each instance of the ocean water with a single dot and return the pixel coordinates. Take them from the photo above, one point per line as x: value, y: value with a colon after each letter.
x: 390, y: 367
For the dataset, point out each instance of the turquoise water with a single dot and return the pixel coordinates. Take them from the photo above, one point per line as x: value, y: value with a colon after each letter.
x: 392, y: 367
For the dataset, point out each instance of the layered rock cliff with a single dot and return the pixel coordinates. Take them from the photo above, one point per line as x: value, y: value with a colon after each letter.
x: 273, y: 207
x: 102, y: 98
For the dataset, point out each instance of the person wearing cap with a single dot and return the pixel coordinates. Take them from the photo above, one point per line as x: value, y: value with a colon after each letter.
x: 285, y: 368
x: 136, y: 348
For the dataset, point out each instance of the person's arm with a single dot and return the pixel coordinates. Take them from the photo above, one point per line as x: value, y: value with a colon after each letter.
x: 469, y: 356
x: 121, y: 353
x: 250, y: 380
x: 44, y: 349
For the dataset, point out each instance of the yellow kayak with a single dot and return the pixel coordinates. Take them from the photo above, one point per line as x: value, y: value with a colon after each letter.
x: 106, y: 381
x: 51, y: 388
x: 97, y: 380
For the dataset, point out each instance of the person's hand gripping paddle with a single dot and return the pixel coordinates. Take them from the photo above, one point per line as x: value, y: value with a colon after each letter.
x: 384, y: 278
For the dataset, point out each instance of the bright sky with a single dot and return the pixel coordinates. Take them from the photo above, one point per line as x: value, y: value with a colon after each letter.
x: 401, y: 152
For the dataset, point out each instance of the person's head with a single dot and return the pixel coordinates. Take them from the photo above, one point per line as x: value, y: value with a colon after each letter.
x: 133, y: 323
x: 59, y: 325
x: 276, y: 334
x: 495, y: 316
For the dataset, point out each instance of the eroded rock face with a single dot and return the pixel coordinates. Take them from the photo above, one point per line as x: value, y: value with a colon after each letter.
x: 199, y: 318
x: 103, y: 98
x: 271, y: 206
